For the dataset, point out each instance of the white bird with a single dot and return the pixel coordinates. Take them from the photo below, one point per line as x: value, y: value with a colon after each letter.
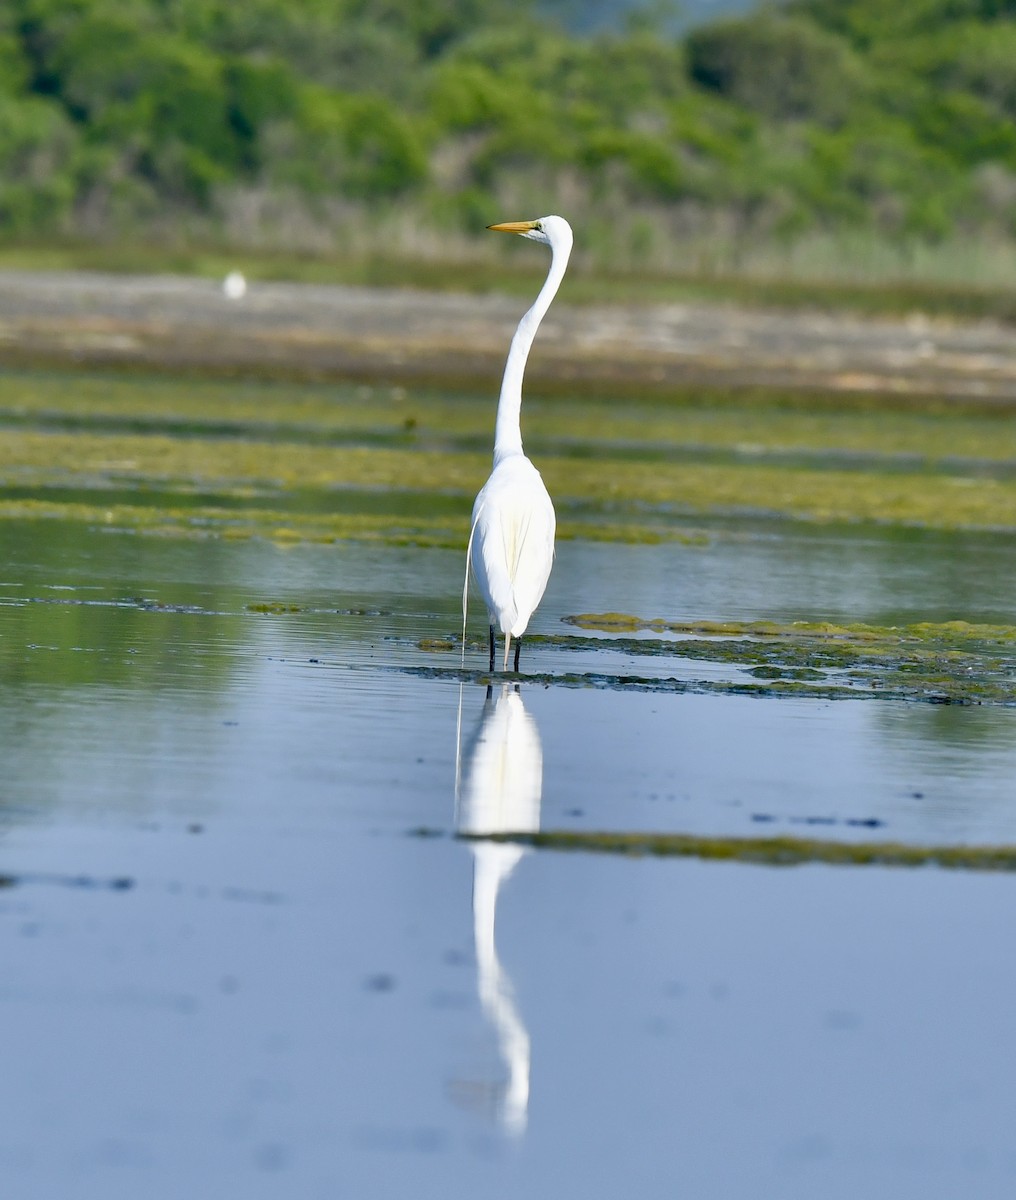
x: 511, y: 542
x: 234, y: 286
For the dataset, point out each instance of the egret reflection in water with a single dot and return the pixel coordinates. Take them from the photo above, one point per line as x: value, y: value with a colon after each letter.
x: 499, y: 791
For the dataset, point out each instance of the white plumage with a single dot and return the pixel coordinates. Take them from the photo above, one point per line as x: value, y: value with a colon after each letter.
x: 511, y: 541
x: 514, y: 523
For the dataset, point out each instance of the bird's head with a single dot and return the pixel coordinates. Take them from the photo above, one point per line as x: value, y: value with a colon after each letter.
x: 552, y: 231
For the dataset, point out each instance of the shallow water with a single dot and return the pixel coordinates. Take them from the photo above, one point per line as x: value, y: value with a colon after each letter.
x: 246, y: 954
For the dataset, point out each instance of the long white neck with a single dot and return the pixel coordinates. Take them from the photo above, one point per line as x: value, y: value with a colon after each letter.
x: 508, y: 429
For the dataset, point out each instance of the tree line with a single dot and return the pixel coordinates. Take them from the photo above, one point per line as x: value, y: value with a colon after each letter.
x: 271, y: 117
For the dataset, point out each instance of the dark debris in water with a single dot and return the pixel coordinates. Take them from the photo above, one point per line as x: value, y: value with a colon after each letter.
x: 764, y: 818
x: 141, y: 603
x: 775, y: 688
x: 380, y: 982
x: 88, y: 883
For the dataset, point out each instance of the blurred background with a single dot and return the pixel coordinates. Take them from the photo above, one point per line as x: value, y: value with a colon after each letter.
x: 838, y: 140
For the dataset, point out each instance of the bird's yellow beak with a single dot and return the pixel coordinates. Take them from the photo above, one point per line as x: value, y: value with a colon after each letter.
x: 514, y: 226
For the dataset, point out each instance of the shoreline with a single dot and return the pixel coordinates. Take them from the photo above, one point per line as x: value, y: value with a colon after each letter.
x: 180, y: 323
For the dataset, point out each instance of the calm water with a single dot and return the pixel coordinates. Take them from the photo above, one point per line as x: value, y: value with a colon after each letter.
x: 231, y: 968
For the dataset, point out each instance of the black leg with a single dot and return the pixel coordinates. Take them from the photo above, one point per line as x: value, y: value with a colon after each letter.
x: 518, y: 647
x: 492, y: 649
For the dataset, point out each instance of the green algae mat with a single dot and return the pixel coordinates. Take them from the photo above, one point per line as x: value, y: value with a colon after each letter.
x: 198, y: 457
x: 948, y: 662
x: 771, y: 852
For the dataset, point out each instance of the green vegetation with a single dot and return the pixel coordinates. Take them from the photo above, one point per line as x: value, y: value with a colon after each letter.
x: 944, y: 663
x: 771, y: 852
x: 951, y: 662
x: 828, y: 137
x: 320, y: 462
x: 205, y: 459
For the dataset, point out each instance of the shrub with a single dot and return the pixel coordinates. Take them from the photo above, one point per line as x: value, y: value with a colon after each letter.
x: 782, y: 67
x: 38, y: 149
x: 468, y: 95
x: 358, y: 147
x: 258, y: 94
x: 650, y: 168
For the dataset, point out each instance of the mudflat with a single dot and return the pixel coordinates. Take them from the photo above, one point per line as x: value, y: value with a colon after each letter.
x: 291, y: 329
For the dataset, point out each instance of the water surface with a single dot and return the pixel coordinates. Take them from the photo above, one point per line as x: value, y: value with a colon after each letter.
x: 236, y: 965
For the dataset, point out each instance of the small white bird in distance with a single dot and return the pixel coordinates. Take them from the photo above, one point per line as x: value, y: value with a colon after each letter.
x: 511, y: 541
x: 235, y: 286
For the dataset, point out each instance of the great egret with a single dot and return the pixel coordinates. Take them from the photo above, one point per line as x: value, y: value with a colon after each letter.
x: 511, y: 541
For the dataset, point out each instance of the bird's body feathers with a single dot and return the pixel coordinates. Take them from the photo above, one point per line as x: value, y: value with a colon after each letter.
x: 513, y: 543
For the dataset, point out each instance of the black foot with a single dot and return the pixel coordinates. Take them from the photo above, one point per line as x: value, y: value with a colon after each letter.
x: 492, y: 649
x: 518, y: 647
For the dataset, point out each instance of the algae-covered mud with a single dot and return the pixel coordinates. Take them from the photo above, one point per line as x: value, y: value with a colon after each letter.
x: 295, y: 898
x: 319, y: 462
x: 943, y: 663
